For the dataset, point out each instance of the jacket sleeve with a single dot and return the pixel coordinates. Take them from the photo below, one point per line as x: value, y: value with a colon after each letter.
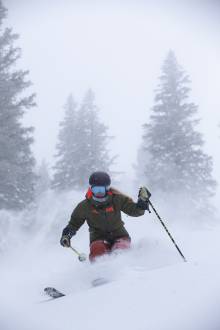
x: 77, y: 219
x: 129, y: 207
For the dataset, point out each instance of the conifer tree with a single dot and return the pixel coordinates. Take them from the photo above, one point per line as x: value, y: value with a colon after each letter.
x: 82, y: 146
x: 67, y: 149
x: 16, y: 161
x: 174, y: 160
x: 93, y: 141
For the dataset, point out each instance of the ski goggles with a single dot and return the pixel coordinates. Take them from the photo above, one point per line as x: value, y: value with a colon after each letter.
x: 99, y: 191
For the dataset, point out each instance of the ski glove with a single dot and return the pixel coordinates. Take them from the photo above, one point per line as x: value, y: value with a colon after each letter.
x: 66, y: 236
x: 65, y: 241
x: 144, y: 194
x: 143, y: 199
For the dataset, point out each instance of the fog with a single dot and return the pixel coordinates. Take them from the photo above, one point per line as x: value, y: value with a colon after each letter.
x: 116, y: 49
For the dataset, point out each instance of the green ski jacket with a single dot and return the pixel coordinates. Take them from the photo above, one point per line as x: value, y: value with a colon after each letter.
x: 104, y: 219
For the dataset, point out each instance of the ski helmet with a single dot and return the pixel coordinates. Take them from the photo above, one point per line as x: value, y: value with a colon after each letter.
x: 99, y: 179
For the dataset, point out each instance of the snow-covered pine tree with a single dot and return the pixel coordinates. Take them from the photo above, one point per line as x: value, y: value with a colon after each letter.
x: 67, y: 149
x: 16, y: 160
x: 173, y: 155
x: 82, y: 146
x: 93, y: 141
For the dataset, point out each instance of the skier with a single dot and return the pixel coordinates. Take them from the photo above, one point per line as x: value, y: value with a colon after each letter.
x: 102, y: 210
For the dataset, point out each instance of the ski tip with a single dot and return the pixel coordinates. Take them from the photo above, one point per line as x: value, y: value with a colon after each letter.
x: 48, y: 289
x: 52, y: 292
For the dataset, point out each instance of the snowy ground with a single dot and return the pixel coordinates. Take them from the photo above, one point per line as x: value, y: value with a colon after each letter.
x: 150, y: 287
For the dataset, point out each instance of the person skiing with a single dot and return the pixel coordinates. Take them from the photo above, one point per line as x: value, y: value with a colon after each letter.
x: 102, y: 210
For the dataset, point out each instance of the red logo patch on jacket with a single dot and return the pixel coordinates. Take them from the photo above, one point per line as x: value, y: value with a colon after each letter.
x: 109, y: 209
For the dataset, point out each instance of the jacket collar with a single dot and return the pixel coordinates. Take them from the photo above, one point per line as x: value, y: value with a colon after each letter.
x: 89, y: 193
x: 108, y: 201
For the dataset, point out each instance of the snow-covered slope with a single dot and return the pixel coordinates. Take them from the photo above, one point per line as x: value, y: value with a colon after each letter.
x: 150, y: 287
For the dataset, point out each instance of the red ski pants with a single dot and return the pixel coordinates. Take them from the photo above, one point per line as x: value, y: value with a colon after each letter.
x: 101, y: 247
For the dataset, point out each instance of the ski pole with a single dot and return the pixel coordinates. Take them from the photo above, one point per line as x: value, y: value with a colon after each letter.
x: 163, y: 224
x: 81, y: 256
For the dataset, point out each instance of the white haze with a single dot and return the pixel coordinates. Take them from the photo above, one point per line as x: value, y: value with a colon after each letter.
x: 117, y: 50
x: 150, y: 286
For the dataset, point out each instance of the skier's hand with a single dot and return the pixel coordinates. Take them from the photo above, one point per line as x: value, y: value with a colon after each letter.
x: 143, y: 205
x: 67, y: 234
x: 144, y: 194
x: 65, y: 241
x: 143, y: 199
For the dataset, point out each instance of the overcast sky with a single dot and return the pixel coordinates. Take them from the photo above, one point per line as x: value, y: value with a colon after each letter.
x: 117, y: 49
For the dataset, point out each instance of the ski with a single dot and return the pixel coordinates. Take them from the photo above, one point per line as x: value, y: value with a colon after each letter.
x: 53, y: 293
